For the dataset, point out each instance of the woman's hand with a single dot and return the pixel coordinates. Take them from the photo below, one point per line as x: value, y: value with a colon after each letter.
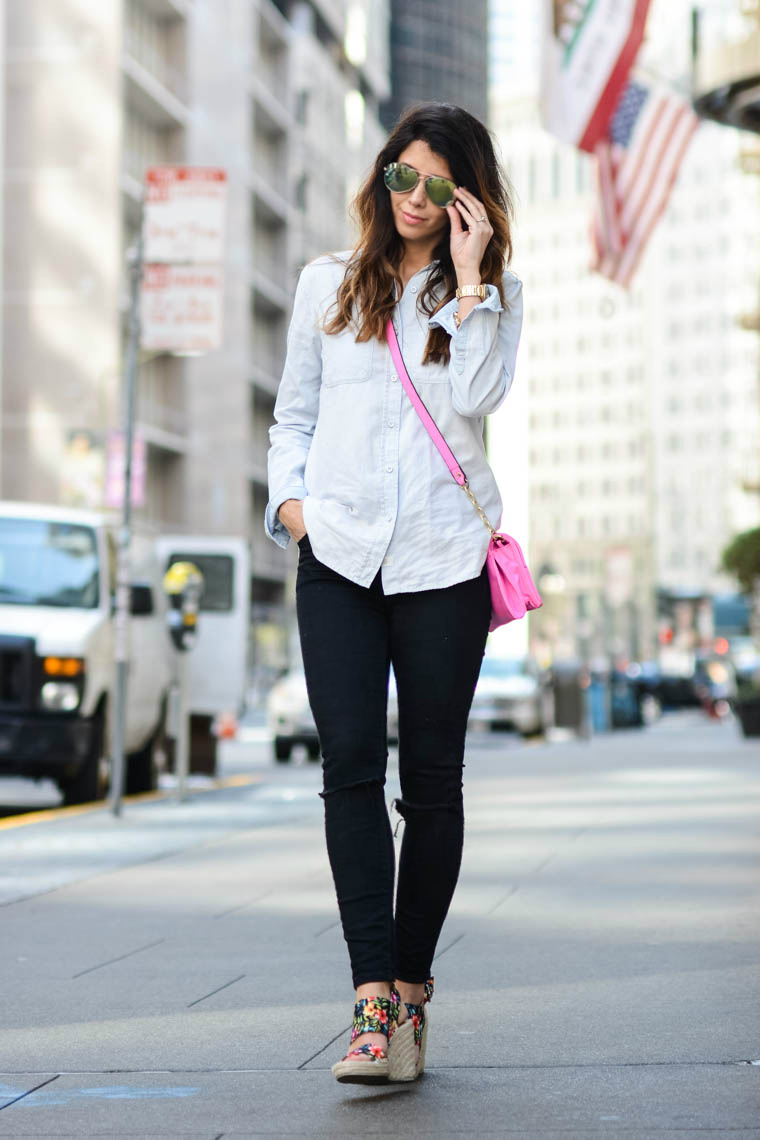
x: 468, y: 245
x: 290, y: 514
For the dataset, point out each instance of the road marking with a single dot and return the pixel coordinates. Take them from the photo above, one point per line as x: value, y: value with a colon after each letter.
x: 12, y: 821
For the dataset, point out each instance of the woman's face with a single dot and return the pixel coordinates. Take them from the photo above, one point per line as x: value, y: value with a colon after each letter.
x: 415, y: 216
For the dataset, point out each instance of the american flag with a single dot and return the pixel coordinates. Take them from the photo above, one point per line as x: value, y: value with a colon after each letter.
x: 639, y: 158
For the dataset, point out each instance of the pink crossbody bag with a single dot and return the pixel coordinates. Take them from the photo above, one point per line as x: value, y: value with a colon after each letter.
x: 513, y: 591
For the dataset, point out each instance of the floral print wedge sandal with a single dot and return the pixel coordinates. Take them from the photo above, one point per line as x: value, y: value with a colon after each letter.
x: 406, y: 1052
x: 368, y: 1064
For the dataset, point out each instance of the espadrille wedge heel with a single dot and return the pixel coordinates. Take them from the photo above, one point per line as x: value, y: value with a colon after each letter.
x: 368, y: 1064
x: 407, y: 1049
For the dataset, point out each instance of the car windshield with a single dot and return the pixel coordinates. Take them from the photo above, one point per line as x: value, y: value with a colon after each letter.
x: 502, y: 667
x: 45, y: 563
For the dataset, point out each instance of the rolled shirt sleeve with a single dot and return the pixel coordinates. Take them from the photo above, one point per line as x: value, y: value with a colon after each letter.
x: 483, y: 348
x: 295, y: 410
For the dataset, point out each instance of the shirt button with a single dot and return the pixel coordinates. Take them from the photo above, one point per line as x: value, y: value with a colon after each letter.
x: 414, y: 288
x: 389, y: 467
x: 389, y: 518
x: 393, y: 376
x: 391, y: 423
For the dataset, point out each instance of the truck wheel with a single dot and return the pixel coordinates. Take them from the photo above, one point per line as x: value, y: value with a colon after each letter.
x: 143, y: 766
x: 91, y: 781
x: 282, y: 749
x: 142, y: 770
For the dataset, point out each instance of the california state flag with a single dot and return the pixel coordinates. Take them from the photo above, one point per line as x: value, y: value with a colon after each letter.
x: 589, y: 49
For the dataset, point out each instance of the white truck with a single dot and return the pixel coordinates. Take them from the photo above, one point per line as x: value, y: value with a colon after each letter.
x: 57, y: 581
x: 218, y: 662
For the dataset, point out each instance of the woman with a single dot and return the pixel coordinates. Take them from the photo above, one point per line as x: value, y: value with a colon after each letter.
x: 391, y: 553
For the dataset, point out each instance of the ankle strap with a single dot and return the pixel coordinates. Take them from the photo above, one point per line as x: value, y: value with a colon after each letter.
x: 426, y: 997
x: 416, y: 1011
x: 375, y: 1015
x: 374, y: 1052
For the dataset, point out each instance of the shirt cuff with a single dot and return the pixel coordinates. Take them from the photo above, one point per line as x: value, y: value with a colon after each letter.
x: 445, y: 316
x: 272, y: 524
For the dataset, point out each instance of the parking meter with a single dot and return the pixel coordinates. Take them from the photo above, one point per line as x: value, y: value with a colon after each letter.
x: 183, y: 583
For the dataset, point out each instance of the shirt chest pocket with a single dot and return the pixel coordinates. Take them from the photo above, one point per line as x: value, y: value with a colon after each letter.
x: 430, y: 374
x: 346, y: 360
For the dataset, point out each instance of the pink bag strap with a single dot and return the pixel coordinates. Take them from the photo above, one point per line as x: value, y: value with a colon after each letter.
x: 430, y: 425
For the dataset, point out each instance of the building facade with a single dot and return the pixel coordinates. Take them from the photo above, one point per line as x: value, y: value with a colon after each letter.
x: 642, y: 411
x: 439, y: 52
x: 286, y: 97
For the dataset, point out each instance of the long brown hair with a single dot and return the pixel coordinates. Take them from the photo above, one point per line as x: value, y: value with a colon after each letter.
x: 365, y: 298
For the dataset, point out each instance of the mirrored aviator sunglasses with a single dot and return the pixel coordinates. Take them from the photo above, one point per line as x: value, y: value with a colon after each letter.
x: 400, y: 179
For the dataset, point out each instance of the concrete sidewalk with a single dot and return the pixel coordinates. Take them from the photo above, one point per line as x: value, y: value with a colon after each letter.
x: 598, y: 975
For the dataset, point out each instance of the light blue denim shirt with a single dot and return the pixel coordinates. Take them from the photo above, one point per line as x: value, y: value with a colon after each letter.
x: 347, y: 441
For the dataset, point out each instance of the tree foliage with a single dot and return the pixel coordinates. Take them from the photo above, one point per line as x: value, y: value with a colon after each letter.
x: 742, y: 558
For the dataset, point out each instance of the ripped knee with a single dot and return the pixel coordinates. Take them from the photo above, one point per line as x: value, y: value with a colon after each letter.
x: 409, y: 809
x: 369, y: 785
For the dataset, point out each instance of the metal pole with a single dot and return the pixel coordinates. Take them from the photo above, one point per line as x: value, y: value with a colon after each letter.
x: 182, y: 753
x: 121, y: 620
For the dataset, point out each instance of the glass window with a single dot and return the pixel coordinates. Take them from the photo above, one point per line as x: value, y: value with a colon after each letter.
x: 218, y: 572
x: 44, y: 563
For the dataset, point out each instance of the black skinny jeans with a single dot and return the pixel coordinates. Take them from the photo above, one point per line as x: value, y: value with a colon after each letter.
x: 435, y: 639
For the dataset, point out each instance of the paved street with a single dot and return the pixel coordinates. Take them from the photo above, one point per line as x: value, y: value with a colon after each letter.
x: 180, y: 972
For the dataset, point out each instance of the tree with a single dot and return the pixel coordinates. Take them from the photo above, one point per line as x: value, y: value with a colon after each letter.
x: 742, y: 559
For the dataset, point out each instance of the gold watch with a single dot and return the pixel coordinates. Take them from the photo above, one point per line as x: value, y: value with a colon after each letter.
x: 480, y: 291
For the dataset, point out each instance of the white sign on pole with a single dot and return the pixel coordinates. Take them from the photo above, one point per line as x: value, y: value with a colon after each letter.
x: 184, y: 214
x: 181, y: 308
x: 182, y: 293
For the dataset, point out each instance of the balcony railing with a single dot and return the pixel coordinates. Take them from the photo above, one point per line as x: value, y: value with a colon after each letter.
x: 163, y: 416
x: 150, y: 56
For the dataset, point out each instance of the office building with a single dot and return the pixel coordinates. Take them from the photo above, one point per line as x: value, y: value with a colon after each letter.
x: 642, y: 409
x: 439, y: 52
x: 286, y: 97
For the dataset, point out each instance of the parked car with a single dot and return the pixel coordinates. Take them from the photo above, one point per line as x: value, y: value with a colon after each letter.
x: 509, y: 695
x: 290, y: 718
x: 715, y: 685
x: 57, y: 582
x: 291, y: 721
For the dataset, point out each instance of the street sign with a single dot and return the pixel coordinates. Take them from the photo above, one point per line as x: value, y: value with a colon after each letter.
x: 181, y: 308
x: 184, y: 214
x: 176, y: 300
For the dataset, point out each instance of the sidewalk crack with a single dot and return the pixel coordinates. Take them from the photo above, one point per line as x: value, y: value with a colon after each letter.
x: 440, y: 953
x: 216, y: 991
x: 120, y: 958
x: 326, y: 928
x: 327, y: 1046
x: 29, y: 1092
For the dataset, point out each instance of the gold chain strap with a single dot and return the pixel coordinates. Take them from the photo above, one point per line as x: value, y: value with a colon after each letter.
x: 470, y: 495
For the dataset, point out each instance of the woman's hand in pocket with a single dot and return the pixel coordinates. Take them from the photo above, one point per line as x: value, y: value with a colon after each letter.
x: 291, y: 516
